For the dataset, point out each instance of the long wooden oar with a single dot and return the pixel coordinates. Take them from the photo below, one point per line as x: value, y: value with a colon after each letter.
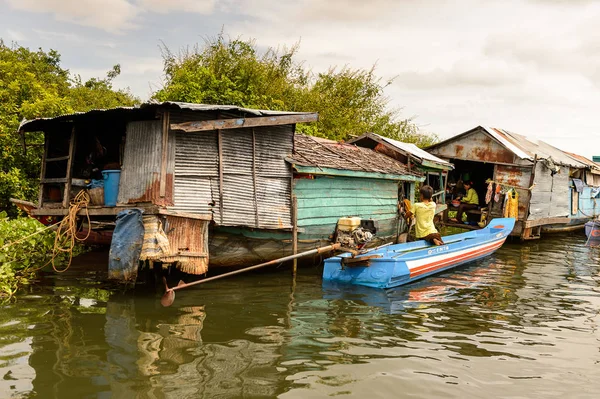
x: 169, y: 296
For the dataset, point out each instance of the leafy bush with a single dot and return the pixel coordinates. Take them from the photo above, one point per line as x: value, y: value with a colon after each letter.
x: 20, y: 261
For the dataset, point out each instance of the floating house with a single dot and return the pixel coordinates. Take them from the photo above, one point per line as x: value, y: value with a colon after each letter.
x: 433, y: 168
x: 557, y: 190
x: 215, y: 185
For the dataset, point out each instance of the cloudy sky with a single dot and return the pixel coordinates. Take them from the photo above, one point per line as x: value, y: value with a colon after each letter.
x: 528, y: 66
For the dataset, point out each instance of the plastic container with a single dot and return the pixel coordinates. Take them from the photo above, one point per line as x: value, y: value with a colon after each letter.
x: 348, y: 223
x: 111, y: 186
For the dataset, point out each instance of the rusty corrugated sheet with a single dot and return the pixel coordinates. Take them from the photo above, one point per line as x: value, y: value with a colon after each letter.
x: 475, y: 146
x: 188, y: 240
x: 140, y: 175
x: 518, y: 177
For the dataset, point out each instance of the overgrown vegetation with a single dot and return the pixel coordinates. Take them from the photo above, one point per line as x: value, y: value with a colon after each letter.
x: 33, y: 84
x: 25, y: 247
x: 349, y: 101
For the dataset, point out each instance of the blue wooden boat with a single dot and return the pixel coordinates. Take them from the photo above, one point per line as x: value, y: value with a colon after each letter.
x: 401, y: 264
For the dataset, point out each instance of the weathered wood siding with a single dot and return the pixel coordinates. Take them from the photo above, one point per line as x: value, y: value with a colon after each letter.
x: 323, y: 200
x: 550, y: 196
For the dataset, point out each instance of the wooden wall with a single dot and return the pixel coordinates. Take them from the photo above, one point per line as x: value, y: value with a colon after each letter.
x: 324, y: 199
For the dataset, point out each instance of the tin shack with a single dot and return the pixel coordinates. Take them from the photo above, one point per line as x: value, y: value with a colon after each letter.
x: 434, y: 169
x: 556, y: 190
x: 211, y: 184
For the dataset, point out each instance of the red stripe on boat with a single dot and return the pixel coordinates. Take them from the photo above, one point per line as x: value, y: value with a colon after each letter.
x: 417, y: 271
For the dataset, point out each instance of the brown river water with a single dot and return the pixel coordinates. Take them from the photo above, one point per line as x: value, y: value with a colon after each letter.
x: 520, y: 324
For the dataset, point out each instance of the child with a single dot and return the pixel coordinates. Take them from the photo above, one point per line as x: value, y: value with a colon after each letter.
x: 424, y: 212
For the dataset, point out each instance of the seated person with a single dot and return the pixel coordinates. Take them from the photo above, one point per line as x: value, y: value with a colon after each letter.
x: 424, y: 212
x: 469, y: 201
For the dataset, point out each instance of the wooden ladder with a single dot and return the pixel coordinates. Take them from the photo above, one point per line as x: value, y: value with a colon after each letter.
x: 66, y: 181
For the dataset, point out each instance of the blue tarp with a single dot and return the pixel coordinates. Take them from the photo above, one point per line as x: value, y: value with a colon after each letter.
x: 126, y: 246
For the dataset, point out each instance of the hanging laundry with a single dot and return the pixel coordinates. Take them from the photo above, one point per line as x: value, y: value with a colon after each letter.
x: 498, y: 192
x: 490, y: 190
x: 511, y: 205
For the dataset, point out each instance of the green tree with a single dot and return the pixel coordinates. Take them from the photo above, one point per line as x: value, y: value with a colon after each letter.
x: 33, y: 84
x: 349, y: 101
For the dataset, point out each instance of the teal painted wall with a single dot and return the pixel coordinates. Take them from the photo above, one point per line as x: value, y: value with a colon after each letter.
x: 324, y: 199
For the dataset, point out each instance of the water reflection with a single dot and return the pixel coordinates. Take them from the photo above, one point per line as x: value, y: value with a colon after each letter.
x: 501, y: 326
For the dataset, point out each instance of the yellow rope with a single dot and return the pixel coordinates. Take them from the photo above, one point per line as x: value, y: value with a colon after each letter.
x: 66, y: 234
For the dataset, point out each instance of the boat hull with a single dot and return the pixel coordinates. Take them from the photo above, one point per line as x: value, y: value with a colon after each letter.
x: 404, y: 263
x: 592, y: 231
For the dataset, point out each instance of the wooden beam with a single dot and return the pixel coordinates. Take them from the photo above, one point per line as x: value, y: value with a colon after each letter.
x: 237, y: 123
x: 67, y: 192
x: 549, y: 220
x: 165, y: 151
x: 294, y: 232
x: 43, y: 172
x: 187, y: 215
x: 94, y: 210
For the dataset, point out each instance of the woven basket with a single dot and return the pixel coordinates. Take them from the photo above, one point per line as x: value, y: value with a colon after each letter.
x: 96, y: 195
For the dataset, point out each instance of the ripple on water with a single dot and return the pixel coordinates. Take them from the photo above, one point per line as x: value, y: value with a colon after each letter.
x: 523, y: 322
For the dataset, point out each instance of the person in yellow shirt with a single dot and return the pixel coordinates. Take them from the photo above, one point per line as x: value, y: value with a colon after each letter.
x: 469, y: 201
x: 424, y: 212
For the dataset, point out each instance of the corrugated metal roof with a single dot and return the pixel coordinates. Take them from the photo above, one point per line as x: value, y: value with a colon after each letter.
x: 525, y: 148
x: 323, y: 153
x: 39, y: 123
x: 416, y: 151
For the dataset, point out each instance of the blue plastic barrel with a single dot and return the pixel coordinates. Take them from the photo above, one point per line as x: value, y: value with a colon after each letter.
x: 111, y: 186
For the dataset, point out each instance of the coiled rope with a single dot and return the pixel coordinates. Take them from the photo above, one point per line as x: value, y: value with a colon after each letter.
x: 66, y: 234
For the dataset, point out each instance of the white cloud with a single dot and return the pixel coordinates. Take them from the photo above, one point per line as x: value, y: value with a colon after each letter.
x: 109, y: 15
x: 168, y: 6
x: 16, y: 35
x: 114, y: 16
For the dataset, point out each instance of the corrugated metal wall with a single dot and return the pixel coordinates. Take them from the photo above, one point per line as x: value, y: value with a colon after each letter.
x: 196, y: 188
x: 515, y: 176
x: 550, y: 196
x: 477, y: 146
x: 247, y: 163
x: 323, y: 200
x: 140, y: 174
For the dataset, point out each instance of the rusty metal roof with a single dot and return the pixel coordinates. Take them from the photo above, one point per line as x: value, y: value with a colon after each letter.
x: 328, y: 154
x: 526, y: 148
x: 407, y: 148
x: 39, y: 124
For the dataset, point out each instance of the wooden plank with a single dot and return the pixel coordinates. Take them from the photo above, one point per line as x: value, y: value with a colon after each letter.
x: 93, y: 211
x: 56, y: 159
x: 237, y: 123
x: 54, y: 180
x: 187, y: 215
x: 220, y: 149
x: 43, y: 172
x: 67, y: 192
x: 544, y: 221
x: 294, y: 232
x: 164, y: 152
